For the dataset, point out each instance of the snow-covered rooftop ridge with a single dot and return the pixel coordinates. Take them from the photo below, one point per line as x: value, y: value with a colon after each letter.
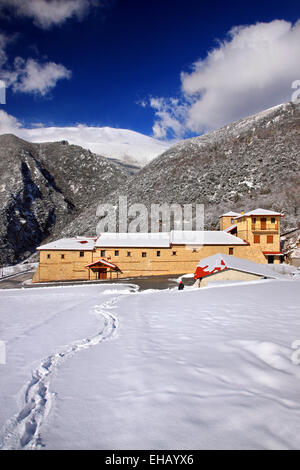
x: 145, y: 239
x: 260, y: 211
x: 165, y: 239
x: 204, y: 237
x: 220, y: 261
x: 78, y: 243
x: 136, y: 239
x: 228, y: 229
x: 231, y: 214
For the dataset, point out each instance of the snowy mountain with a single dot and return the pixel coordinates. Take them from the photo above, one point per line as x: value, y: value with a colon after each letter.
x: 290, y: 242
x: 128, y: 146
x: 252, y: 163
x: 43, y: 187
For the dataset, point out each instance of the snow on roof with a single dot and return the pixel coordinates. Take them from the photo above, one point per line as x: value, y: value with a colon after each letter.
x: 204, y: 237
x: 231, y: 214
x: 164, y: 239
x: 229, y: 229
x: 259, y: 211
x: 136, y: 239
x: 141, y: 239
x: 78, y: 243
x: 219, y: 262
x: 78, y: 237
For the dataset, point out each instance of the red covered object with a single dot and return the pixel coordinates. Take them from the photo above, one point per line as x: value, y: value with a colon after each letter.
x: 202, y: 271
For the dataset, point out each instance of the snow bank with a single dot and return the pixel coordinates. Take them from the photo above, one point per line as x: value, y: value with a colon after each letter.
x: 18, y: 268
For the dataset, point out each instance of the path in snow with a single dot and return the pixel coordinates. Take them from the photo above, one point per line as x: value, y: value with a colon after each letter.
x: 23, y: 430
x: 207, y: 368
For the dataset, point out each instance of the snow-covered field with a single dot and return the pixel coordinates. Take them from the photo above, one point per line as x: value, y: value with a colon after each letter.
x: 107, y: 367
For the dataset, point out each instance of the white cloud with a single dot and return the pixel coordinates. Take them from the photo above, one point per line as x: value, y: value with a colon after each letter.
x: 169, y: 114
x: 47, y: 13
x: 29, y: 76
x: 251, y: 70
x: 8, y: 124
x: 32, y: 77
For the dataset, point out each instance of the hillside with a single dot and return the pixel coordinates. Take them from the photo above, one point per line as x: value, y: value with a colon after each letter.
x: 254, y: 162
x: 43, y: 187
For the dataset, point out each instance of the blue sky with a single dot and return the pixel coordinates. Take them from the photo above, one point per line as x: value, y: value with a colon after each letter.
x: 117, y: 57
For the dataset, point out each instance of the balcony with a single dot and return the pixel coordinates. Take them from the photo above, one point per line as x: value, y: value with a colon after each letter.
x: 264, y: 227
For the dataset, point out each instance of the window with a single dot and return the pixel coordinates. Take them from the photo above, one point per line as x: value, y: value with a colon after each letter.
x: 231, y: 251
x: 116, y: 252
x: 273, y: 220
x: 102, y: 253
x: 194, y: 250
x: 174, y: 253
x: 144, y: 254
x: 269, y: 238
x: 81, y: 254
x: 128, y: 253
x: 232, y: 221
x: 48, y: 256
x: 62, y: 256
x: 256, y: 238
x: 158, y: 253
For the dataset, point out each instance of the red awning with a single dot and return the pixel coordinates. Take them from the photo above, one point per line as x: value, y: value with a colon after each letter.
x: 278, y: 253
x: 103, y: 262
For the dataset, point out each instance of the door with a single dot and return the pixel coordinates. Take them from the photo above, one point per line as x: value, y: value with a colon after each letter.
x: 101, y: 273
x: 271, y: 259
x: 263, y: 223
